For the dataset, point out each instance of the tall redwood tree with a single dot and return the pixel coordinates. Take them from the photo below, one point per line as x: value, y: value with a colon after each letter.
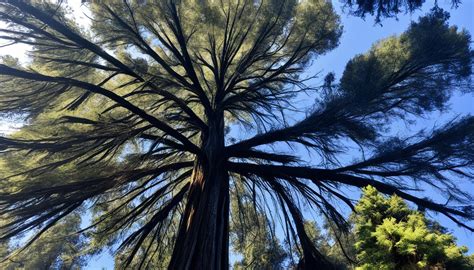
x: 136, y: 116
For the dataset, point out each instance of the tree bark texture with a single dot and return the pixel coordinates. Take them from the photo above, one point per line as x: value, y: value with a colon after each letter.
x: 203, y: 236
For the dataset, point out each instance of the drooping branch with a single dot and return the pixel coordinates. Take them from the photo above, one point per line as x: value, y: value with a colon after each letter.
x: 8, y: 71
x: 83, y: 43
x: 330, y: 176
x: 386, y: 9
x: 137, y: 237
x: 261, y: 75
x: 448, y: 147
x: 374, y: 89
x: 70, y: 34
x: 311, y: 256
x: 260, y: 155
x: 30, y: 208
x: 184, y: 58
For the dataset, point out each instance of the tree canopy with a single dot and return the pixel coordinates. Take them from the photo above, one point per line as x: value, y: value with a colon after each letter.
x: 392, y: 236
x: 387, y: 8
x: 133, y: 119
x: 58, y: 248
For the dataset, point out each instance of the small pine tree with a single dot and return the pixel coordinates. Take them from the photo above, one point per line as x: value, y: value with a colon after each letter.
x: 392, y: 236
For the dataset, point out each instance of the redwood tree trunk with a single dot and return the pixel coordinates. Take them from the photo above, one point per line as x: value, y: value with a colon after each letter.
x: 202, y: 241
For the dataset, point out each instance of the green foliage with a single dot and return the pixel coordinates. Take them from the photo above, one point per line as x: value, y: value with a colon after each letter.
x: 252, y: 237
x: 154, y: 253
x: 129, y: 118
x: 60, y: 247
x: 392, y: 236
x: 396, y: 64
x: 341, y: 250
x: 335, y: 245
x: 387, y: 8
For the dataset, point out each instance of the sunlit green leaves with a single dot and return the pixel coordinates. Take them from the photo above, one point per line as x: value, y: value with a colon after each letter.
x: 392, y: 236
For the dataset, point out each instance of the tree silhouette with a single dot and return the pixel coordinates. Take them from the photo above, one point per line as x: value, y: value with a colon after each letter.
x: 386, y: 8
x: 135, y: 117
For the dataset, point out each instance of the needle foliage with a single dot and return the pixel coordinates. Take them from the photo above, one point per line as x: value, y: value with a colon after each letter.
x: 135, y: 118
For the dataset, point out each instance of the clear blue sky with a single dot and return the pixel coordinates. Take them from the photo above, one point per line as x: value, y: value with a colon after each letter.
x: 357, y: 38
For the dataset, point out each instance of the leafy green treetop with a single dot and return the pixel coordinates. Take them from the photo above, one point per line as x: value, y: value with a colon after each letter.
x: 392, y: 236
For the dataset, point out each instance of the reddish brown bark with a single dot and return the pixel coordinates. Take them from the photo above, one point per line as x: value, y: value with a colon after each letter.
x: 202, y: 241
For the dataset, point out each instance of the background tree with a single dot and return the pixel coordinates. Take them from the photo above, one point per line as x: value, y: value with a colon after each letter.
x: 252, y: 235
x: 336, y: 246
x: 150, y: 255
x: 392, y: 236
x: 5, y: 248
x: 169, y: 78
x: 388, y: 8
x: 58, y: 248
x: 341, y: 245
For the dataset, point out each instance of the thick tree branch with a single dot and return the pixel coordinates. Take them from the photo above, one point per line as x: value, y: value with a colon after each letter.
x: 323, y: 175
x: 5, y: 70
